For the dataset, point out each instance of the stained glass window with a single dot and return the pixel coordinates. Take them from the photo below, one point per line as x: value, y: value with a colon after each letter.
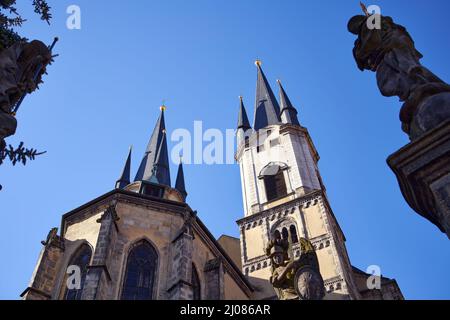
x: 140, y: 272
x: 81, y: 259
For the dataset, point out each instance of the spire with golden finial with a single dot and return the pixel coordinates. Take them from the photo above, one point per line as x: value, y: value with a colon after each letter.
x: 267, y: 110
x: 156, y: 154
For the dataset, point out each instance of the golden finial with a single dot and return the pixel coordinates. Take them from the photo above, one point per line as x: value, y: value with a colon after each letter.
x: 258, y: 63
x: 278, y: 81
x: 163, y: 105
x: 241, y: 98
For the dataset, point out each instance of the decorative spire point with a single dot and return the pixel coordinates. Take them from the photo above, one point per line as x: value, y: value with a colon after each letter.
x: 364, y: 9
x: 258, y: 63
x: 162, y: 107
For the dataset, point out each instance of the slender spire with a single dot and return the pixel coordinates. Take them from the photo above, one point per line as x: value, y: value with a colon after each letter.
x: 179, y: 184
x: 243, y: 122
x: 124, y: 179
x: 267, y: 110
x: 160, y: 171
x: 157, y: 142
x: 288, y: 112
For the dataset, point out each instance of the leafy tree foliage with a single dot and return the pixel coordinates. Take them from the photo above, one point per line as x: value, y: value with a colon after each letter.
x: 10, y: 19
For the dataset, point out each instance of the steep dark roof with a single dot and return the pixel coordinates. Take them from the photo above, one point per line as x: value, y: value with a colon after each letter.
x: 155, y: 144
x: 267, y: 110
x: 288, y: 112
x: 179, y: 184
x: 243, y: 122
x: 124, y: 179
x: 160, y: 172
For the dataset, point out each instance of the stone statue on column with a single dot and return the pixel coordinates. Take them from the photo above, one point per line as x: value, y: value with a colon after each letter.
x: 423, y: 166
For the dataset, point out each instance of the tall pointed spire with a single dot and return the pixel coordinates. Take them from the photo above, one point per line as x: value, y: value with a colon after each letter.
x: 267, y: 110
x: 157, y: 143
x: 243, y: 122
x: 160, y: 172
x: 124, y: 179
x: 179, y: 184
x: 288, y: 112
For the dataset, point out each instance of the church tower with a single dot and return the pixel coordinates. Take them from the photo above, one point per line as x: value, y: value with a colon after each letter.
x: 283, y: 194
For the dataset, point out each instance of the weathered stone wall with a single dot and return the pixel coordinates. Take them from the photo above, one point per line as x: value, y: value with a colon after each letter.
x: 111, y: 228
x: 46, y: 272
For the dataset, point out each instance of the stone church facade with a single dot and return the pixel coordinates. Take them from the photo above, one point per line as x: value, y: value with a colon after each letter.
x: 143, y: 241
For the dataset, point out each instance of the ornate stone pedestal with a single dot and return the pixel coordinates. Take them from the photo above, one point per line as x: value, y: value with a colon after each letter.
x: 422, y: 168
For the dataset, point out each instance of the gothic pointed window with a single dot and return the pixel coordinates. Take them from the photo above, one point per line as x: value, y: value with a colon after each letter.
x: 196, y: 288
x: 294, y: 235
x: 140, y: 272
x: 81, y: 259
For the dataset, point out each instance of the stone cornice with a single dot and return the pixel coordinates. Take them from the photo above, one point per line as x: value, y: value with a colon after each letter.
x: 281, y: 208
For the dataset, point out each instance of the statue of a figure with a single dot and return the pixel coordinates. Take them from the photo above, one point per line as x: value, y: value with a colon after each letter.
x: 390, y: 52
x: 295, y: 279
x: 21, y: 68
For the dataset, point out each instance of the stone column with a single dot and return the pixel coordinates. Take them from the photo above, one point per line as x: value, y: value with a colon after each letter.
x: 48, y: 267
x: 98, y: 276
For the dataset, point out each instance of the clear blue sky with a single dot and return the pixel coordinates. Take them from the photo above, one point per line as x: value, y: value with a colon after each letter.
x: 102, y: 94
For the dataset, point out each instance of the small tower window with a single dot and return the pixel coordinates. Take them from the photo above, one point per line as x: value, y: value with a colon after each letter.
x: 294, y: 235
x: 275, y: 186
x: 285, y: 234
x: 81, y: 259
x: 247, y: 142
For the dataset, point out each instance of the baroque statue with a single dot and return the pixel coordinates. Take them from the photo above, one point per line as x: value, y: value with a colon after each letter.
x: 295, y: 279
x: 389, y: 50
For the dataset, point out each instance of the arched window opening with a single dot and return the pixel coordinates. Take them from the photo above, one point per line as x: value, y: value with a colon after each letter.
x: 140, y: 272
x: 294, y: 235
x: 275, y: 186
x: 285, y: 234
x: 277, y: 234
x: 196, y: 287
x: 81, y: 259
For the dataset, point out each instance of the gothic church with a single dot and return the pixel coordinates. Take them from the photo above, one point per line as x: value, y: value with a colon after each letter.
x: 142, y: 240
